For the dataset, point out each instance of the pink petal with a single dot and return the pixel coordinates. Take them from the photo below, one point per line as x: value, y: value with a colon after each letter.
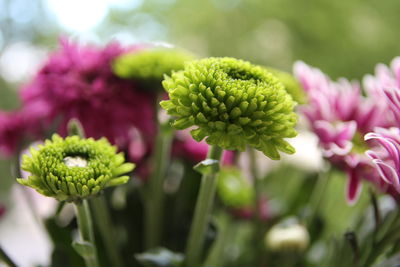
x: 354, y: 186
x: 388, y: 174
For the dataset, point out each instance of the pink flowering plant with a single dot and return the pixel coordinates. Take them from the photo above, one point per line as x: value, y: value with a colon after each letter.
x: 174, y: 160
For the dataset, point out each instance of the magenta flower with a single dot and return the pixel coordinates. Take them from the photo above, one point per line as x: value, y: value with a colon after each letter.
x: 340, y: 116
x: 386, y: 156
x: 187, y: 148
x: 11, y: 129
x: 78, y: 82
x: 386, y: 82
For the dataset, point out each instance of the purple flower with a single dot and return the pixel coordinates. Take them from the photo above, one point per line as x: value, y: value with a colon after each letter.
x: 78, y: 82
x: 187, y: 148
x: 386, y: 82
x: 386, y: 156
x: 11, y: 129
x: 340, y: 116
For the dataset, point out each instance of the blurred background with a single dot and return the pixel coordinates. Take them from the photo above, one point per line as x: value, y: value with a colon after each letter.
x: 343, y: 38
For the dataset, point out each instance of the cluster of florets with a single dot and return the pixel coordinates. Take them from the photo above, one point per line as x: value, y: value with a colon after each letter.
x: 233, y: 103
x: 73, y: 168
x: 150, y: 65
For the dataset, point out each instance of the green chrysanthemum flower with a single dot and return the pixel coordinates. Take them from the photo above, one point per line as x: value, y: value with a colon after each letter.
x: 233, y: 103
x: 150, y: 65
x: 233, y: 189
x: 291, y: 85
x: 73, y: 168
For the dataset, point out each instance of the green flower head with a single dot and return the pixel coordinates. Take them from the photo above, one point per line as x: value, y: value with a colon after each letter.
x: 74, y: 168
x: 233, y: 104
x: 292, y: 86
x: 150, y: 65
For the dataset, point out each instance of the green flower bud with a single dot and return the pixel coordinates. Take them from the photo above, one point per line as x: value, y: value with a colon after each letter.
x: 233, y: 189
x: 150, y: 65
x: 233, y: 103
x: 73, y: 168
x: 287, y: 236
x: 292, y: 86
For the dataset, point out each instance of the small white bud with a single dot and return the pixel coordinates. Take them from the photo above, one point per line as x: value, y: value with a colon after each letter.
x: 75, y: 162
x: 287, y: 236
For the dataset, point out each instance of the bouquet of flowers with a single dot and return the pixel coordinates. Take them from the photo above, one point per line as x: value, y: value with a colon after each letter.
x: 151, y: 156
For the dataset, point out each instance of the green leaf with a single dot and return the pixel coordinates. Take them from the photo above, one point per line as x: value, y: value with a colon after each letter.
x: 85, y: 249
x: 75, y: 128
x: 160, y: 257
x: 207, y: 166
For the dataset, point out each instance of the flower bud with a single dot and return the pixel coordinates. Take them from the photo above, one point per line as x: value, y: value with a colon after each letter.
x: 233, y: 188
x: 287, y: 236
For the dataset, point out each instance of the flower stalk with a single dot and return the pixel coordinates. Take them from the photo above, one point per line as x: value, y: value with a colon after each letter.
x: 106, y: 229
x: 258, y: 223
x: 202, y: 211
x: 86, y: 232
x: 155, y: 196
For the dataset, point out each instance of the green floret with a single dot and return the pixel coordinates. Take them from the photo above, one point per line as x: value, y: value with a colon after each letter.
x: 233, y: 103
x: 73, y: 168
x: 291, y: 85
x: 150, y: 64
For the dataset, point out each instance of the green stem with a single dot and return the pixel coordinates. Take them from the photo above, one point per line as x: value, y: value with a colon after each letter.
x: 257, y: 184
x: 375, y: 206
x: 258, y: 229
x: 202, y: 211
x: 85, y: 225
x: 226, y: 231
x: 155, y: 195
x: 352, y: 239
x: 318, y: 194
x: 6, y: 259
x: 106, y: 228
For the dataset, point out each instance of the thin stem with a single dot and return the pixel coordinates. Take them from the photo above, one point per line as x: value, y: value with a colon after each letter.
x: 202, y: 211
x: 380, y: 245
x: 155, y: 195
x: 258, y: 229
x: 6, y: 259
x: 317, y: 194
x: 226, y: 230
x: 106, y: 228
x: 377, y: 213
x: 352, y: 239
x: 257, y: 184
x: 85, y: 225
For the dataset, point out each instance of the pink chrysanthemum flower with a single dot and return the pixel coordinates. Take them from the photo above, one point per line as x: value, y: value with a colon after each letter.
x: 386, y: 81
x: 11, y: 129
x: 340, y: 116
x: 78, y: 82
x: 386, y: 156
